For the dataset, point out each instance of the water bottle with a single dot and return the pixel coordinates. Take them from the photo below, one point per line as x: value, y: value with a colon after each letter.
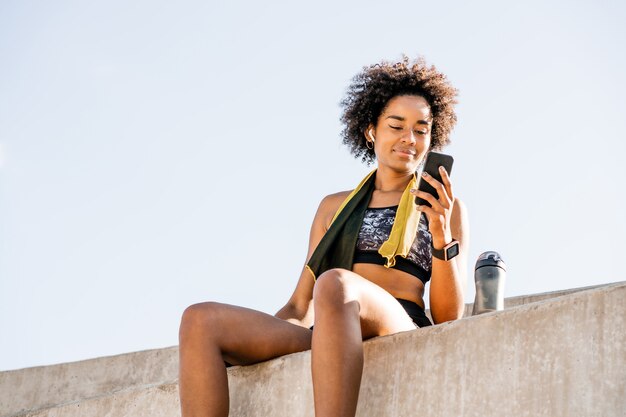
x: 489, y: 276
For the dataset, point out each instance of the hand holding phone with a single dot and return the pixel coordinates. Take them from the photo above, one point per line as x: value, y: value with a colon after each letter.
x: 433, y: 161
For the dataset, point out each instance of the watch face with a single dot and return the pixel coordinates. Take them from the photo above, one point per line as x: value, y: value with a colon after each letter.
x: 452, y: 251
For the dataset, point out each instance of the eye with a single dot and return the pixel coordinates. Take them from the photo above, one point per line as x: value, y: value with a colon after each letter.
x: 421, y: 132
x: 395, y: 127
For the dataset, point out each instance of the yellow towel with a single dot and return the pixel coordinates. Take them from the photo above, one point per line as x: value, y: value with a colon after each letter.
x: 330, y: 255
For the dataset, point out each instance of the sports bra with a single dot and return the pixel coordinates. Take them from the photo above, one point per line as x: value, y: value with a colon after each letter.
x: 375, y: 230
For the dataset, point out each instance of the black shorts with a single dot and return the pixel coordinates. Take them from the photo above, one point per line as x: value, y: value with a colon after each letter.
x: 416, y: 313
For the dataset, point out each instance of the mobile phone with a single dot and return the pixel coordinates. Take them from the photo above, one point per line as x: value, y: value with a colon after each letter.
x: 433, y: 161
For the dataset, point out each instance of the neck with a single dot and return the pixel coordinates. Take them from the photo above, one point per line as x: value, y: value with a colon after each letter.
x: 388, y: 180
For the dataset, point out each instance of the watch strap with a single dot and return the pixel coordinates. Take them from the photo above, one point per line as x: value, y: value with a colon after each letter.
x: 447, y: 252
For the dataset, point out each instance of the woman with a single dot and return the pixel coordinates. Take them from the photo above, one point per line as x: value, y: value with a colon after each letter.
x: 369, y: 255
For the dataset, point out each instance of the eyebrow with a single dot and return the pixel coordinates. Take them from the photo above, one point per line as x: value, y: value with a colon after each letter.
x: 402, y: 119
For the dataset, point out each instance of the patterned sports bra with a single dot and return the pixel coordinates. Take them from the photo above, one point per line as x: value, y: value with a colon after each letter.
x: 375, y: 230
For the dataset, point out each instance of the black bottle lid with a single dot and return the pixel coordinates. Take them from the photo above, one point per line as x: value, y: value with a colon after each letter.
x: 490, y: 258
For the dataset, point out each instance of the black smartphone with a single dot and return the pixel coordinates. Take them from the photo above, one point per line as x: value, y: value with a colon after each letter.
x: 433, y: 161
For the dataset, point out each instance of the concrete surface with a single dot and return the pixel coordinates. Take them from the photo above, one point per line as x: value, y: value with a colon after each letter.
x: 44, y: 386
x: 519, y: 300
x: 563, y: 356
x: 146, y: 401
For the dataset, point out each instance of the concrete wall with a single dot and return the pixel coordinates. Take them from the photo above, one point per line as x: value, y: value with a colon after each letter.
x: 44, y: 386
x: 563, y: 356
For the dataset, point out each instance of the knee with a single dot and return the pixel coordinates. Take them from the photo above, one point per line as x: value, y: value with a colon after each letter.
x: 199, y: 320
x: 332, y: 289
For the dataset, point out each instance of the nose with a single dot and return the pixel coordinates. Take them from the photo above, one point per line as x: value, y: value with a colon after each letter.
x: 410, y: 138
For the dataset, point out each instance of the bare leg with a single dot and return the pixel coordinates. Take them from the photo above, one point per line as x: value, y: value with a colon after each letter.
x: 211, y: 333
x: 348, y: 309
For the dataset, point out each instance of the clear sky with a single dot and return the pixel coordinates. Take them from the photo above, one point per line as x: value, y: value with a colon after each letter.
x: 158, y: 154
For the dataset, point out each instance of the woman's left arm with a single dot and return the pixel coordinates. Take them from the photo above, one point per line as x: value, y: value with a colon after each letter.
x: 447, y: 221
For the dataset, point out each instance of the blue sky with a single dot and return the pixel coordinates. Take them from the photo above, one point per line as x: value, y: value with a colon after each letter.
x: 158, y: 154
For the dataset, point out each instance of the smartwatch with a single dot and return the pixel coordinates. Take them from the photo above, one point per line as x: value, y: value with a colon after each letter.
x: 448, y: 252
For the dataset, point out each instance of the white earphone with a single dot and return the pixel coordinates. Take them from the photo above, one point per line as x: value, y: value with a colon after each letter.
x: 371, y: 135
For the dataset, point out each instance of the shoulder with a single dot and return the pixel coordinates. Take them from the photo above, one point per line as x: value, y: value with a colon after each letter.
x: 459, y: 204
x: 459, y: 222
x: 333, y: 201
x: 459, y: 210
x: 329, y: 206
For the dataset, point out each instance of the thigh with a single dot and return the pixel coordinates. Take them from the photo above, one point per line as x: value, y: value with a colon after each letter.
x: 380, y: 313
x: 247, y: 336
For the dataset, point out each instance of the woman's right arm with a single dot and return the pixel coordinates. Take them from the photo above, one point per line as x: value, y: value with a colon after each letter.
x: 299, y: 309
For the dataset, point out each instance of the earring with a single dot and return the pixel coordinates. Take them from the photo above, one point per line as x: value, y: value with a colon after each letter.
x: 367, y: 142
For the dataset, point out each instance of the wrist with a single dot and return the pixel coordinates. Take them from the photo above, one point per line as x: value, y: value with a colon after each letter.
x: 439, y: 242
x: 448, y: 252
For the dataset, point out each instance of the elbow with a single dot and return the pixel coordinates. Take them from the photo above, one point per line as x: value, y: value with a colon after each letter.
x: 293, y: 311
x: 450, y: 314
x: 286, y: 312
x: 445, y: 319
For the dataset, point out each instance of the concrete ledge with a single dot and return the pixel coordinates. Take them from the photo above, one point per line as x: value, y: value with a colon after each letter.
x: 560, y: 353
x: 46, y: 386
x: 559, y: 357
x: 156, y: 400
x: 531, y: 298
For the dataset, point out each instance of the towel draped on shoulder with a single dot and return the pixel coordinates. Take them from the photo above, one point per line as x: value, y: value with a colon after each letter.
x: 336, y: 249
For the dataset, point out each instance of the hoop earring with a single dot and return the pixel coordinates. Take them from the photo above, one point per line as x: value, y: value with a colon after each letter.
x: 368, y: 143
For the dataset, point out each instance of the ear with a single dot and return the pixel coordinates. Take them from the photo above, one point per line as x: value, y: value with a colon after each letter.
x: 370, y: 136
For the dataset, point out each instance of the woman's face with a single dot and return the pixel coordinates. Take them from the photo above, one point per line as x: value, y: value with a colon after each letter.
x: 402, y: 133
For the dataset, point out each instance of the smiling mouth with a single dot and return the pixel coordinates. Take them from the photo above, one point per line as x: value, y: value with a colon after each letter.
x: 406, y: 151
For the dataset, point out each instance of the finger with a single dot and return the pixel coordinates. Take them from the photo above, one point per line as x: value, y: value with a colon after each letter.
x: 441, y: 191
x: 446, y: 182
x: 435, y: 220
x: 429, y: 212
x: 436, y: 204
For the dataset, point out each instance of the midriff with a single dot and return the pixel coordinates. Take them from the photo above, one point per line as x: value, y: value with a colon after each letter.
x: 399, y: 284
